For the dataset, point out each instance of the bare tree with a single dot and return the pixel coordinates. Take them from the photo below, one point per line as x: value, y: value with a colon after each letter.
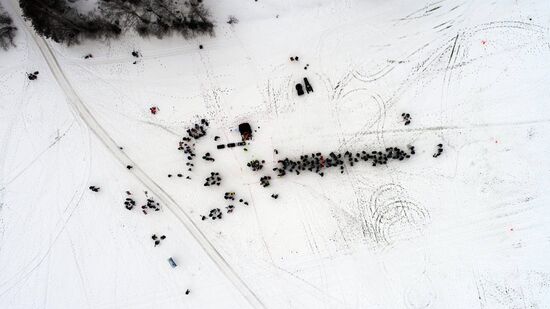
x: 7, y: 30
x: 56, y: 20
x: 159, y: 17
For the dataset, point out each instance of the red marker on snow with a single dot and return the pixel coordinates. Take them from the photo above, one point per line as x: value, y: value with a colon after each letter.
x: 154, y: 110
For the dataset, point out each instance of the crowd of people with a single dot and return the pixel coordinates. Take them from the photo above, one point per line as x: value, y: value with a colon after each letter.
x: 317, y: 162
x: 208, y: 157
x: 256, y: 165
x: 213, y: 180
x: 264, y: 181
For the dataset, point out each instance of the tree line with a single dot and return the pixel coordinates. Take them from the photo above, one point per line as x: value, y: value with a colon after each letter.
x: 63, y: 23
x: 7, y: 30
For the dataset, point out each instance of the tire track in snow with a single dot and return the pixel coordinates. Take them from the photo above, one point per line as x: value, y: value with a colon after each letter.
x: 81, y: 110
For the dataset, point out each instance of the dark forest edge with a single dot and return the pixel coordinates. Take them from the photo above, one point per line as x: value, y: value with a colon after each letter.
x: 7, y: 30
x: 62, y: 23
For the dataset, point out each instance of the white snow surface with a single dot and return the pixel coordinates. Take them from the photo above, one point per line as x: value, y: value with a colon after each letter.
x: 469, y: 229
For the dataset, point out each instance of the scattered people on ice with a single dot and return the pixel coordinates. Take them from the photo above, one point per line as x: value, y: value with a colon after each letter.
x: 208, y: 157
x: 215, y: 213
x: 264, y: 181
x: 213, y: 180
x: 94, y: 188
x: 439, y: 150
x: 129, y: 203
x: 32, y: 76
x: 157, y: 239
x: 88, y: 56
x: 317, y: 162
x: 256, y: 165
x: 229, y: 196
x: 187, y: 144
x: 135, y: 54
x: 406, y: 118
x: 275, y: 196
x: 230, y: 208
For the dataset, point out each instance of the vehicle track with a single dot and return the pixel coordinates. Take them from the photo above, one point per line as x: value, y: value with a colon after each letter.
x: 82, y: 111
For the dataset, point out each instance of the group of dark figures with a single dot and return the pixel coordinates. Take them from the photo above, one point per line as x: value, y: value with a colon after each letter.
x: 439, y: 150
x: 187, y: 144
x: 157, y: 239
x: 213, y: 180
x: 130, y: 203
x: 317, y: 162
x: 216, y: 213
x: 256, y: 165
x: 32, y: 76
x: 406, y: 118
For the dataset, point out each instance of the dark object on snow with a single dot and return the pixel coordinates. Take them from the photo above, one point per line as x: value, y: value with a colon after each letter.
x: 129, y: 203
x: 208, y: 157
x: 222, y: 146
x: 275, y: 196
x: 187, y: 292
x: 299, y: 89
x: 135, y: 54
x: 129, y: 167
x: 264, y: 181
x: 7, y: 30
x: 245, y: 130
x: 94, y: 188
x: 213, y: 180
x: 200, y: 47
x: 230, y: 145
x: 154, y: 110
x: 406, y: 118
x: 216, y: 138
x: 32, y: 76
x: 439, y: 150
x: 88, y: 56
x: 215, y: 213
x: 308, y: 85
x: 241, y: 144
x: 256, y: 165
x: 172, y: 262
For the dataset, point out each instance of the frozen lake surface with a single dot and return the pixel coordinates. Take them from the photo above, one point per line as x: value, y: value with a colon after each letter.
x: 467, y: 229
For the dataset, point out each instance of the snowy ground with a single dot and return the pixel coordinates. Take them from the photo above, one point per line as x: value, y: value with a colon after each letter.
x: 469, y: 229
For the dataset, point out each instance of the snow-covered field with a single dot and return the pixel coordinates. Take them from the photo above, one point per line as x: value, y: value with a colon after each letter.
x: 469, y: 229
